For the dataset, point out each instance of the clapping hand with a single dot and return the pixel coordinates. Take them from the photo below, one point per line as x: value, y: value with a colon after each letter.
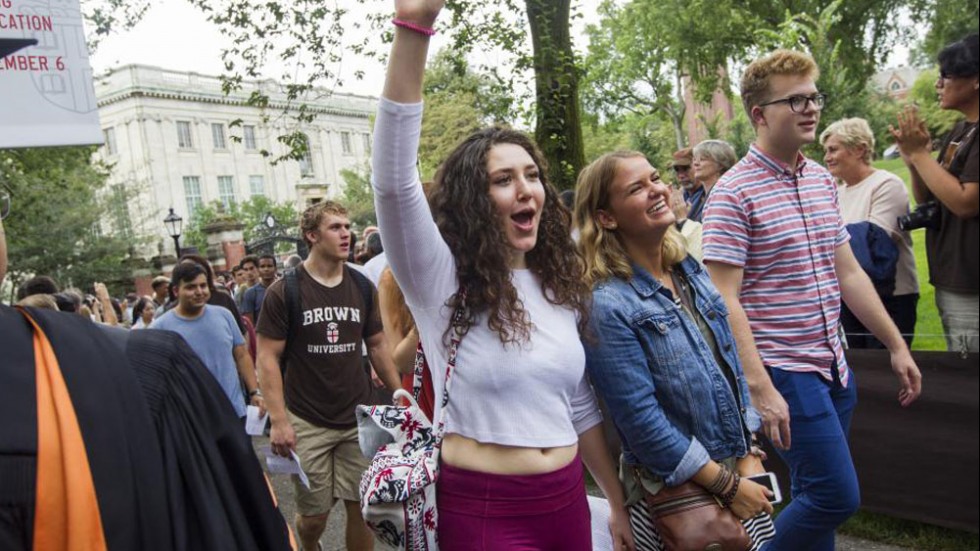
x: 911, y: 136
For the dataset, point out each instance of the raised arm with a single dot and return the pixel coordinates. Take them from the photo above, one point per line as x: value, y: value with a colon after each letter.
x: 928, y: 176
x: 406, y: 64
x: 418, y: 256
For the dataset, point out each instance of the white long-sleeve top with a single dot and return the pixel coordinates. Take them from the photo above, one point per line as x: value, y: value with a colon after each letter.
x: 530, y: 395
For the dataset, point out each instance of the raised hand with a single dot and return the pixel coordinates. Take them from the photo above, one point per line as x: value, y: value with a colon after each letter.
x: 420, y: 12
x: 912, y: 135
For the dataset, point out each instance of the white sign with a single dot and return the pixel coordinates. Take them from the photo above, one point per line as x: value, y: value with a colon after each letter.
x: 46, y: 92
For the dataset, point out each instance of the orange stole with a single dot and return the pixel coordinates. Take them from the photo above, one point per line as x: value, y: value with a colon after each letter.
x: 66, y: 512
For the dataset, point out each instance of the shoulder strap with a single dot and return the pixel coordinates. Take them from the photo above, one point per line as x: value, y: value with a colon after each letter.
x: 366, y: 288
x: 458, y: 330
x: 294, y: 311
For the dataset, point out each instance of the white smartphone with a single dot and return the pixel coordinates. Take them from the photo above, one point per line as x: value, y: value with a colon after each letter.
x: 769, y: 481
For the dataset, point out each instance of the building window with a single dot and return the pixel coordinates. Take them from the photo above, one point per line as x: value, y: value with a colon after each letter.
x: 367, y: 143
x: 256, y: 185
x: 218, y: 135
x: 249, y: 138
x: 192, y: 193
x: 184, y: 135
x: 226, y: 191
x: 306, y: 161
x: 345, y: 144
x: 109, y: 135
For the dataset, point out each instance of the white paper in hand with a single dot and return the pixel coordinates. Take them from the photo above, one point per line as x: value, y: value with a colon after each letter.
x: 255, y: 425
x: 285, y: 465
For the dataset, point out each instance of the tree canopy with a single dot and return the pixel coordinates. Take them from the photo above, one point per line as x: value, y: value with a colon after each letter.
x: 251, y: 213
x: 62, y: 221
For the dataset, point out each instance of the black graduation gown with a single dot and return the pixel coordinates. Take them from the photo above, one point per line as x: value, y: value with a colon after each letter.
x: 123, y: 453
x: 171, y: 464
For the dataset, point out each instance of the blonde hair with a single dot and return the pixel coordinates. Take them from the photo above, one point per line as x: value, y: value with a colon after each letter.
x: 39, y: 300
x: 603, y: 250
x: 719, y: 151
x: 853, y: 133
x: 754, y: 86
x: 312, y: 216
x: 392, y: 302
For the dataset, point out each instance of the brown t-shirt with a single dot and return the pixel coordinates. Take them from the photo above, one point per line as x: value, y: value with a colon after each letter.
x: 325, y: 377
x: 954, y: 259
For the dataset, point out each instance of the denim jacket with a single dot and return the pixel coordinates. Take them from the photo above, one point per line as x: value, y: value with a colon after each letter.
x: 670, y: 400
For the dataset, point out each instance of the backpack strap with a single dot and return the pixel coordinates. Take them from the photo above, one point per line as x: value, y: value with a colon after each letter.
x: 367, y: 290
x: 294, y: 313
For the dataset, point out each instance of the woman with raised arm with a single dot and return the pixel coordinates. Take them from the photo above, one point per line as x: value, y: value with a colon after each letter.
x: 662, y: 354
x: 521, y: 413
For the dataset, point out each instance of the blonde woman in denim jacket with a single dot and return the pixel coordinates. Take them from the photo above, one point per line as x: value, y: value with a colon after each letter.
x: 662, y: 354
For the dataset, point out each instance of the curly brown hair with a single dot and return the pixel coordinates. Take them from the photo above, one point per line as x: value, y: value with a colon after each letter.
x: 469, y: 222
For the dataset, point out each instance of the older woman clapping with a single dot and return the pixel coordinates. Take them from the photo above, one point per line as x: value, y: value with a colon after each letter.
x: 871, y: 195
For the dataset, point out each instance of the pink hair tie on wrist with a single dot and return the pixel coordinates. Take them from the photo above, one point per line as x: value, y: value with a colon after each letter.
x: 427, y: 31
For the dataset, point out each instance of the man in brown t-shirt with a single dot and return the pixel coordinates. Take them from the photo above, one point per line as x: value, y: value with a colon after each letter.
x: 325, y: 378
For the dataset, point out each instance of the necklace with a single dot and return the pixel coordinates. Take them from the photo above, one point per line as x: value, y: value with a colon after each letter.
x: 673, y: 284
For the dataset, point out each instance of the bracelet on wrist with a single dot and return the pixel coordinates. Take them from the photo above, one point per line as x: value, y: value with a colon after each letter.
x: 729, y: 497
x: 721, y: 481
x: 427, y: 31
x: 253, y: 393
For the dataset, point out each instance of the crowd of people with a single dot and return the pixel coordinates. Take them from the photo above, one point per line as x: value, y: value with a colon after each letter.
x: 708, y: 314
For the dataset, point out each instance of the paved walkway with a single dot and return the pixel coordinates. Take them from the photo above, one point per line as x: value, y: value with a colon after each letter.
x: 333, y: 537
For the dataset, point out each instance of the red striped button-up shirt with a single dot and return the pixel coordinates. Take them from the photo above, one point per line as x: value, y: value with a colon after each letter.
x: 782, y: 228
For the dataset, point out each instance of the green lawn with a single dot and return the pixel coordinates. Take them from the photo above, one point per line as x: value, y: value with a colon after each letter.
x: 928, y: 328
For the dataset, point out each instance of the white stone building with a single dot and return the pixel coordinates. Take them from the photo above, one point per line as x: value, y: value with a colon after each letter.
x: 169, y: 139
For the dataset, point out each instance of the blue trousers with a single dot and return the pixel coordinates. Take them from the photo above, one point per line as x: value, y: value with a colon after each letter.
x: 824, y: 484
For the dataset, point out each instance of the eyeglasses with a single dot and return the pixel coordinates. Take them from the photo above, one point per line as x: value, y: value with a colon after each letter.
x: 797, y: 104
x: 943, y: 75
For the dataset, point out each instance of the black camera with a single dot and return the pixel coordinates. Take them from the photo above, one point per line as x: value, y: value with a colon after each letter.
x: 925, y: 215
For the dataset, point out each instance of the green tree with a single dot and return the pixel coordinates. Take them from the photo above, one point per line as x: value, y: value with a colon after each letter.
x: 251, y: 213
x: 629, y: 68
x: 949, y: 21
x: 359, y: 197
x: 556, y: 75
x: 62, y: 222
x: 458, y: 101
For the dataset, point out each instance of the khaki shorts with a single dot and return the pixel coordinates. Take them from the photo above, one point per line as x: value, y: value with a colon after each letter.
x: 332, y: 461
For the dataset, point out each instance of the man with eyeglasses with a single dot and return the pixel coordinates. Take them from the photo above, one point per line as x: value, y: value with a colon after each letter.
x: 694, y: 194
x: 777, y: 249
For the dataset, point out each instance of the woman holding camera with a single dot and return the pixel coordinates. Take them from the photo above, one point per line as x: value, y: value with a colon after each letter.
x: 951, y: 180
x: 661, y: 352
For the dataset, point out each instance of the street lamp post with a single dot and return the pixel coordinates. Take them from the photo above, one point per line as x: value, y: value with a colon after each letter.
x: 174, y: 225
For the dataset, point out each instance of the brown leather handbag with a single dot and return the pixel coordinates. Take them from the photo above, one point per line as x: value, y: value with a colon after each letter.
x: 688, y: 518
